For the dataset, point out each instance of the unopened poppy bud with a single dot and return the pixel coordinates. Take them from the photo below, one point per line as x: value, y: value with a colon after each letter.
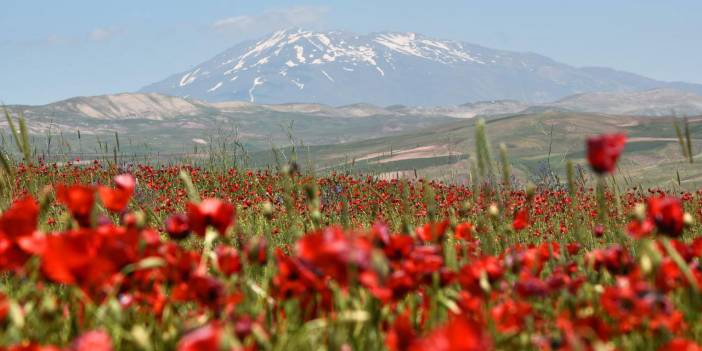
x: 316, y: 215
x: 134, y: 219
x: 267, y: 209
x: 688, y: 219
x: 291, y: 169
x: 484, y: 282
x: 310, y: 191
x: 48, y: 304
x: 646, y: 264
x: 640, y: 211
x: 530, y: 190
x: 493, y: 210
x: 141, y: 337
x: 467, y: 205
x: 599, y: 288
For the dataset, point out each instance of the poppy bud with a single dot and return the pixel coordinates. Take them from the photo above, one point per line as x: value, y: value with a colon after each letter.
x: 688, y: 219
x: 267, y: 209
x: 530, y: 190
x: 291, y: 169
x: 640, y: 211
x: 493, y: 210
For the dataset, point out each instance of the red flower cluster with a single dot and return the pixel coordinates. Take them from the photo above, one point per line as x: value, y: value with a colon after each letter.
x: 664, y: 213
x: 460, y: 281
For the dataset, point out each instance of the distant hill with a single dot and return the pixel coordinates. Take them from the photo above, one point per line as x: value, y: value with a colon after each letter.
x: 154, y: 106
x: 657, y: 102
x: 365, y: 138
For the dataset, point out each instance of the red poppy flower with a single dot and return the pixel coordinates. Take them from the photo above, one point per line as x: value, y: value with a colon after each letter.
x: 432, y: 231
x: 177, y: 226
x: 639, y: 229
x: 459, y: 334
x: 521, y: 219
x: 69, y: 255
x: 464, y: 231
x: 667, y: 213
x: 680, y: 344
x: 210, y: 212
x: 18, y: 226
x: 334, y: 252
x: 79, y: 200
x: 206, y: 338
x: 294, y: 279
x: 4, y: 307
x: 32, y: 347
x: 603, y: 151
x: 89, y: 258
x: 228, y: 260
x: 401, y: 334
x: 117, y: 199
x: 510, y: 316
x: 92, y: 341
x: 20, y: 219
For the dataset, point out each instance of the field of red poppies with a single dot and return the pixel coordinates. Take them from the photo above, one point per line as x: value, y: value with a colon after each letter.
x: 142, y: 257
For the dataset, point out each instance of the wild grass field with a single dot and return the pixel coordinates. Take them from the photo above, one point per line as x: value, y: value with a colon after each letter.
x: 114, y: 255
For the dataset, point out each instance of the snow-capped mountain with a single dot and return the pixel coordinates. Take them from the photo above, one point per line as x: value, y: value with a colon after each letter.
x: 339, y: 68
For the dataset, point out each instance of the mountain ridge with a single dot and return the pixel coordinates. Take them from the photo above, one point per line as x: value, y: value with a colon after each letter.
x: 388, y: 68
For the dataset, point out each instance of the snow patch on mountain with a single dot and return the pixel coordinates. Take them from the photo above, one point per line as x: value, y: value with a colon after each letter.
x: 215, y: 87
x: 258, y: 81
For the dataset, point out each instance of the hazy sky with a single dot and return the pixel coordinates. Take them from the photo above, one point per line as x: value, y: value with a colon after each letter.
x: 50, y: 50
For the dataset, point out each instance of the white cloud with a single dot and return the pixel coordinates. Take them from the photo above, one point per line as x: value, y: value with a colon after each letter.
x: 296, y: 16
x: 103, y: 34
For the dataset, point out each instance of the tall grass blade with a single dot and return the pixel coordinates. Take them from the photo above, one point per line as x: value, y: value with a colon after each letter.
x: 688, y: 140
x: 13, y: 129
x: 681, y: 140
x: 24, y: 134
x: 5, y: 163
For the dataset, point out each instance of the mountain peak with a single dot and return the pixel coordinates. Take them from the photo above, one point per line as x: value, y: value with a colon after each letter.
x: 385, y: 68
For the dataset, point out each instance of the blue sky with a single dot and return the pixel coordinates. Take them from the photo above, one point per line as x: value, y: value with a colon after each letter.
x: 50, y: 50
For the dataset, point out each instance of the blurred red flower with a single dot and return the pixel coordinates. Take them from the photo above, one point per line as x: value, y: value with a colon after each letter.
x: 177, y: 226
x: 603, y: 151
x: 521, y: 219
x: 228, y: 260
x: 667, y: 213
x: 459, y: 334
x: 680, y: 344
x: 79, y: 200
x: 210, y: 212
x: 117, y: 199
x: 92, y: 341
x: 432, y: 231
x: 205, y: 338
